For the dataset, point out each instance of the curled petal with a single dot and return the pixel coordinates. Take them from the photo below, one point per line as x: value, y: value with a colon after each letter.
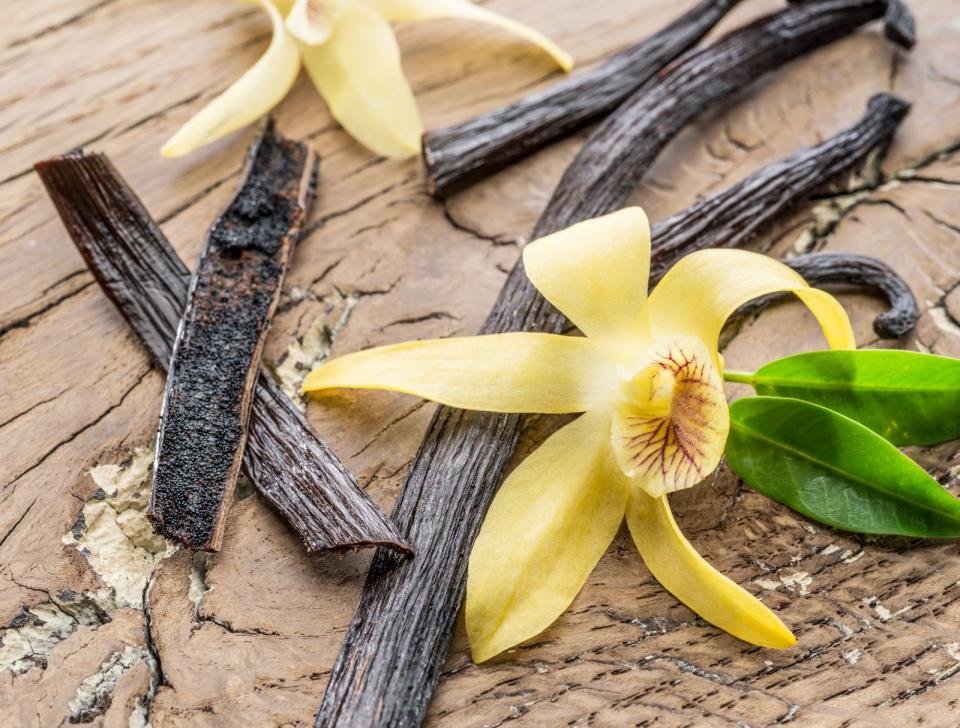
x: 701, y: 291
x: 250, y: 97
x: 670, y: 424
x: 358, y: 73
x: 548, y: 526
x: 686, y: 575
x: 407, y: 10
x: 595, y: 272
x: 516, y: 372
x: 309, y: 22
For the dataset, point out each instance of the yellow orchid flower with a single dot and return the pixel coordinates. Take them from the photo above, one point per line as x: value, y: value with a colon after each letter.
x: 351, y: 55
x: 647, y: 375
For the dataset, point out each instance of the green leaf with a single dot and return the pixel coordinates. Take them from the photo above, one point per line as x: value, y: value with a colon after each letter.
x: 909, y: 398
x: 835, y: 470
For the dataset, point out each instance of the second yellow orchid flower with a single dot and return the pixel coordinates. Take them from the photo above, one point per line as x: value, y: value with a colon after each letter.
x: 647, y: 375
x: 351, y: 55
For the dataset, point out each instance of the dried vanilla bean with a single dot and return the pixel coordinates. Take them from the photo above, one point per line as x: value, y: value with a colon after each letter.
x: 390, y: 660
x: 233, y: 293
x: 463, y: 153
x: 140, y: 272
x: 732, y: 217
x: 633, y: 137
x: 824, y: 269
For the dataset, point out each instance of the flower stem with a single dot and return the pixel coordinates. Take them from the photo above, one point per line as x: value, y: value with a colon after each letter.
x: 730, y: 375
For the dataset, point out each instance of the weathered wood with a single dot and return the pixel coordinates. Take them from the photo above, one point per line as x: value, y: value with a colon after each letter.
x: 463, y: 153
x: 254, y: 639
x: 136, y: 267
x: 389, y: 664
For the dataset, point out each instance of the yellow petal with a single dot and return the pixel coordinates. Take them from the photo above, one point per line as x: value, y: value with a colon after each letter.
x: 407, y: 10
x: 596, y: 273
x: 309, y: 22
x: 516, y: 372
x: 670, y: 421
x: 547, y: 527
x: 701, y: 291
x: 250, y: 97
x: 685, y: 574
x: 358, y: 73
x: 284, y: 6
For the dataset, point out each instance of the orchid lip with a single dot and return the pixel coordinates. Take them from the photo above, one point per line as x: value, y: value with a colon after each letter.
x: 670, y: 422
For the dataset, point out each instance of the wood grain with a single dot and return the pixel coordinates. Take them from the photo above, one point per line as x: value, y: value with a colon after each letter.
x: 253, y: 641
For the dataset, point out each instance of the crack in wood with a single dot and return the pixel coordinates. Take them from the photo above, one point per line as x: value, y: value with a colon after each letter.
x: 27, y: 319
x: 74, y: 435
x: 31, y: 408
x: 198, y: 197
x: 833, y: 208
x: 948, y: 226
x: 160, y: 113
x: 76, y: 17
x: 17, y: 523
x: 499, y: 239
x: 327, y: 217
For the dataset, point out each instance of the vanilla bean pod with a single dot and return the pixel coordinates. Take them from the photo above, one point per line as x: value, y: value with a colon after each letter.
x: 732, y: 217
x: 635, y: 135
x: 140, y: 272
x: 233, y: 293
x: 391, y: 657
x: 824, y: 269
x: 458, y: 155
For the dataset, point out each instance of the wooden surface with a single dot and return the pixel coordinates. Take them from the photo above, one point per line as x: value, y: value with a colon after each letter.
x: 248, y: 636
